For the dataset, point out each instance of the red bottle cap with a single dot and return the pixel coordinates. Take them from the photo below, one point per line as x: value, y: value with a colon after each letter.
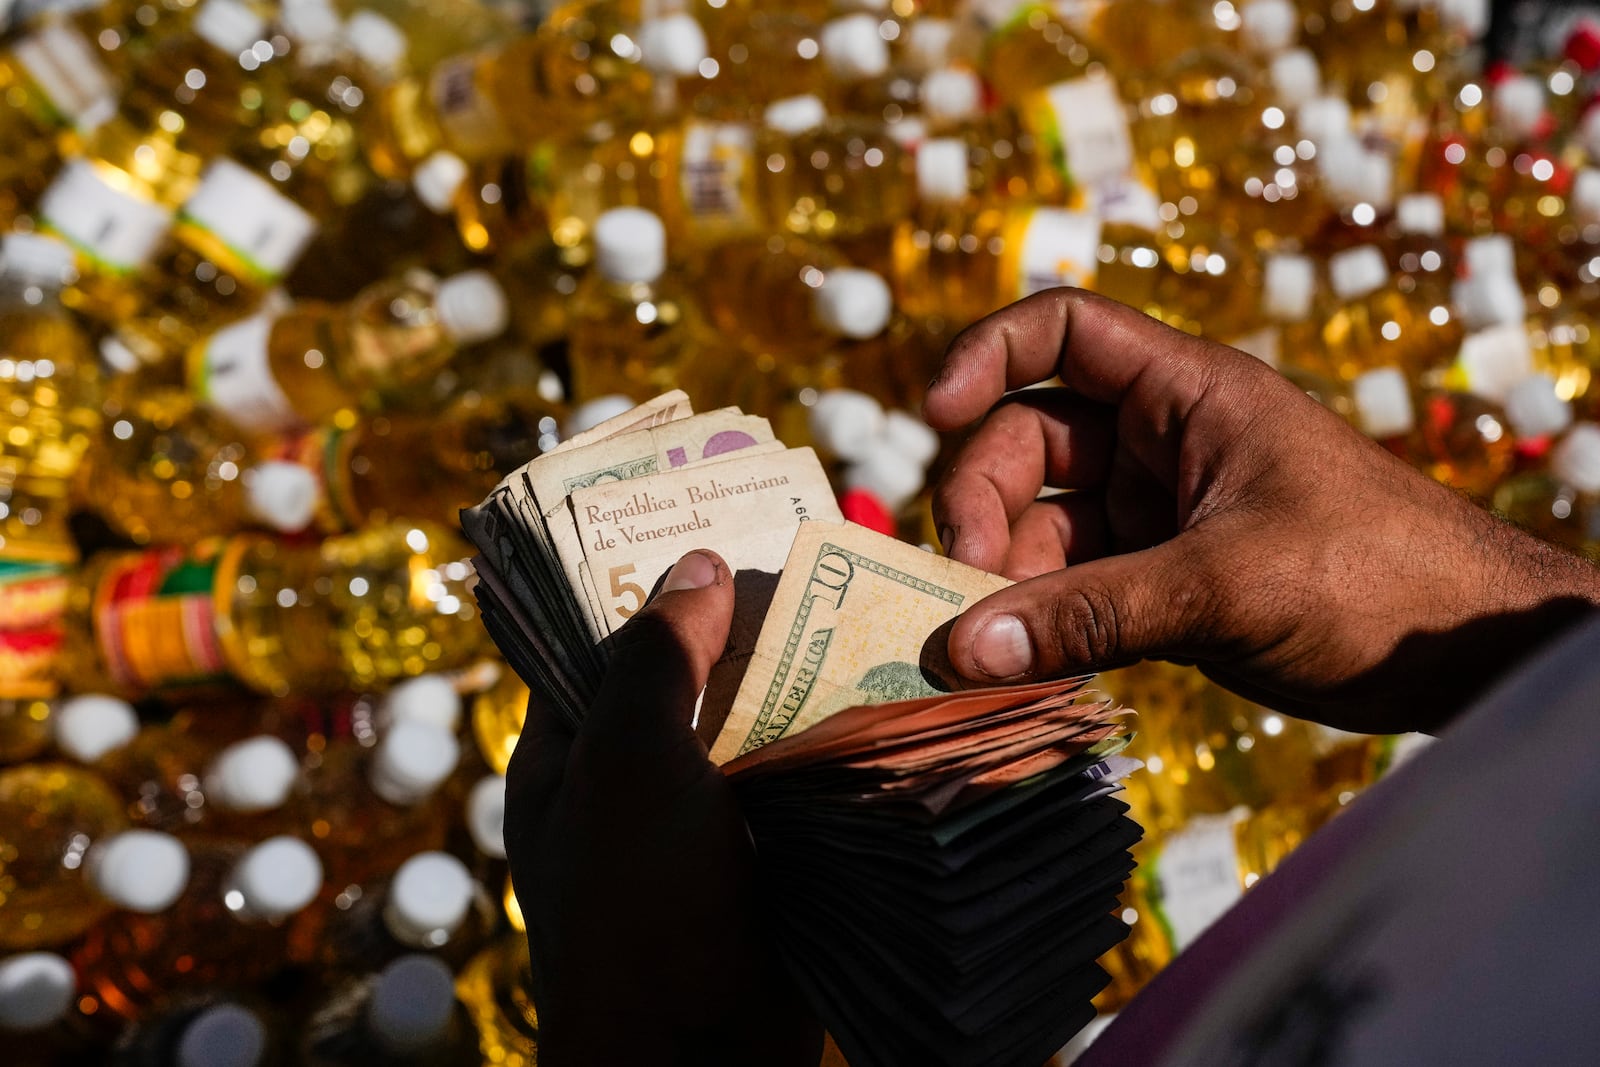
x: 864, y: 509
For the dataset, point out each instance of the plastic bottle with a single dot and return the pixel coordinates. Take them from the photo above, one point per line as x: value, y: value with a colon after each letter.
x: 634, y: 330
x: 497, y: 717
x: 306, y: 365
x: 1456, y: 438
x: 757, y: 55
x: 353, y: 612
x: 1562, y: 502
x: 1373, y: 324
x: 431, y: 904
x: 1023, y: 46
x: 50, y: 816
x: 50, y: 383
x: 406, y: 1013
x: 207, y: 1033
x: 176, y: 778
x: 582, y: 65
x: 57, y: 92
x: 225, y: 925
x: 413, y: 466
x: 497, y: 989
x: 369, y: 809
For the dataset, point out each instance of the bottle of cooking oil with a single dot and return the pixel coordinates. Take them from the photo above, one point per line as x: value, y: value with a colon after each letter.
x: 1201, y: 103
x: 582, y: 65
x: 53, y: 814
x: 25, y: 723
x: 58, y: 92
x: 1289, y: 298
x: 177, y: 779
x: 432, y: 904
x: 37, y: 991
x: 757, y: 56
x: 414, y: 466
x: 1025, y: 46
x: 227, y: 925
x: 201, y: 1029
x: 50, y: 384
x: 356, y: 611
x: 171, y: 470
x: 407, y: 1013
x: 1562, y: 502
x: 1374, y: 324
x: 633, y: 330
x: 368, y: 809
x: 275, y: 372
x: 497, y: 988
x: 1459, y: 439
x: 497, y: 717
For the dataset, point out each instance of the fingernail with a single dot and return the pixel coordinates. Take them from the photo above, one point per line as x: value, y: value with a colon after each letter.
x: 947, y: 538
x: 1001, y: 648
x: 694, y: 571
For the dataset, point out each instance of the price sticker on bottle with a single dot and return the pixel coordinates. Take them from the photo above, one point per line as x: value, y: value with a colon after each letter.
x: 234, y: 375
x: 117, y: 230
x: 1197, y: 875
x: 72, y: 81
x: 1056, y: 247
x: 263, y: 229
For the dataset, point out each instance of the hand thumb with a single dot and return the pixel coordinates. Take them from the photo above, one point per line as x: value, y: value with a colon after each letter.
x: 661, y: 657
x: 1088, y: 617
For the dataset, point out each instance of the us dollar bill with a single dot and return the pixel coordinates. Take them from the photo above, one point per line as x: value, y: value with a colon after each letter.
x: 857, y: 618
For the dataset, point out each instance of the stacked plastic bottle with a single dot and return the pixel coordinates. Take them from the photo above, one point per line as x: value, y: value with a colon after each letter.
x: 285, y: 285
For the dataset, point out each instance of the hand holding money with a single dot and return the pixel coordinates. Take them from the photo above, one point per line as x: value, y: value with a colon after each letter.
x: 936, y: 868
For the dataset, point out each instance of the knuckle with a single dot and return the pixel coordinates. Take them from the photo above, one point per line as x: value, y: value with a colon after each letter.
x: 1087, y: 625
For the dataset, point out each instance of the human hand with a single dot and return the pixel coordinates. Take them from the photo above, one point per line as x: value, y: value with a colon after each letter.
x: 1220, y: 516
x: 633, y: 866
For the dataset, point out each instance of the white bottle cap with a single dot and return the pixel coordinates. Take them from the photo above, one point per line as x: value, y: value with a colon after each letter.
x: 1488, y: 301
x: 1576, y: 458
x: 630, y: 245
x: 911, y: 437
x: 673, y: 45
x: 908, y: 131
x: 1494, y: 360
x: 886, y: 474
x: 1421, y: 214
x: 1492, y: 255
x: 412, y: 1004
x: 429, y: 698
x: 377, y: 42
x: 437, y: 179
x: 795, y: 115
x: 1585, y: 197
x: 472, y: 307
x: 1383, y: 403
x: 1269, y: 25
x: 281, y: 495
x: 38, y: 259
x: 844, y: 423
x: 1469, y: 17
x: 853, y: 49
x: 227, y: 1035
x: 1324, y: 119
x: 1518, y: 105
x: 274, y: 879
x: 1357, y: 272
x: 228, y: 25
x: 1296, y: 78
x: 87, y: 727
x: 140, y: 870
x: 1534, y: 409
x: 314, y: 27
x: 592, y: 413
x: 942, y: 170
x: 428, y: 899
x: 411, y: 761
x: 486, y: 815
x: 1375, y: 186
x: 853, y: 303
x: 252, y: 775
x: 36, y: 989
x: 1288, y: 285
x: 927, y: 43
x: 951, y: 95
x: 1590, y: 134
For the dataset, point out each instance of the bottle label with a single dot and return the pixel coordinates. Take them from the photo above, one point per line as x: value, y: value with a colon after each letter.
x: 468, y: 117
x: 1197, y: 876
x: 1053, y: 248
x: 325, y: 452
x: 1083, y: 129
x: 717, y: 172
x: 1126, y: 201
x: 263, y: 229
x: 155, y: 618
x: 116, y: 230
x: 73, y: 83
x: 33, y: 593
x: 233, y: 374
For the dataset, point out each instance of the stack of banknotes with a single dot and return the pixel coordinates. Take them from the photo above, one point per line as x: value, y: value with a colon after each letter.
x: 947, y: 859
